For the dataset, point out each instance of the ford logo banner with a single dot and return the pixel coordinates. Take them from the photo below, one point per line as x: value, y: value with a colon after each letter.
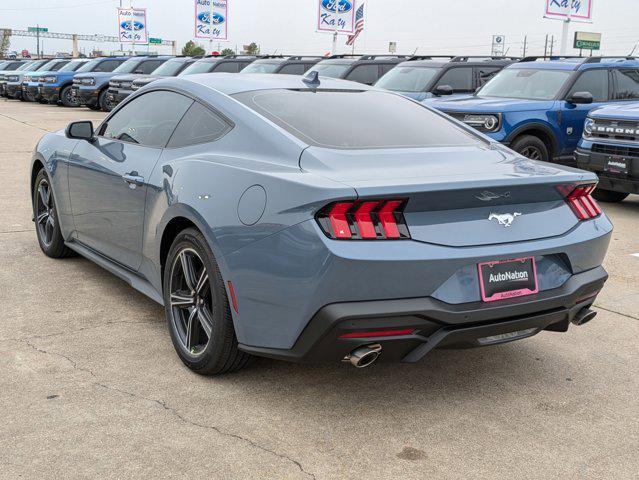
x: 343, y: 7
x: 205, y: 17
x: 135, y: 25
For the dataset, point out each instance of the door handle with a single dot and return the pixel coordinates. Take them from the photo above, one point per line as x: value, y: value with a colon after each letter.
x: 133, y: 179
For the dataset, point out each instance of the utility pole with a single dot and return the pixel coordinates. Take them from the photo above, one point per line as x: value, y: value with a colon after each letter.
x: 121, y: 44
x: 37, y: 41
x: 525, y: 40
x: 546, y: 47
x: 552, y: 44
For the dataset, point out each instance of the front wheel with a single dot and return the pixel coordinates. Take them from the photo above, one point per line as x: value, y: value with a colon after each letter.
x: 531, y: 147
x: 66, y: 98
x: 106, y: 105
x: 609, y: 195
x: 197, y: 308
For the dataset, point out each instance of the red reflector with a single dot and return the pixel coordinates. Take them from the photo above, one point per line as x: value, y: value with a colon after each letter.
x: 387, y: 218
x: 339, y: 223
x: 364, y: 220
x: 233, y: 298
x: 379, y: 333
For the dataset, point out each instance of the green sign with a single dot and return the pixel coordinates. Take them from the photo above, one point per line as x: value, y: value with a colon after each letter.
x: 38, y: 29
x: 587, y: 44
x: 587, y: 40
x: 155, y: 41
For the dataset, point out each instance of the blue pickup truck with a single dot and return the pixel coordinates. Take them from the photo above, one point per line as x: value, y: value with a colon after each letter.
x: 610, y: 148
x: 538, y: 106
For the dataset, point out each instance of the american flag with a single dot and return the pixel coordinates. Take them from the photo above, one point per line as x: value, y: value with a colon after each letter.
x: 359, y: 25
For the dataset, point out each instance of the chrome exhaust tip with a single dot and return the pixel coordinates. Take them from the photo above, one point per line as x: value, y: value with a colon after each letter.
x: 583, y: 316
x: 364, y: 356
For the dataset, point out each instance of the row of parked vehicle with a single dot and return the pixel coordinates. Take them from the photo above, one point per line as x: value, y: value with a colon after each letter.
x: 536, y: 105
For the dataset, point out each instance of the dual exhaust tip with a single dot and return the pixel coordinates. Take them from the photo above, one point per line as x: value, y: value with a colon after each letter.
x: 364, y: 356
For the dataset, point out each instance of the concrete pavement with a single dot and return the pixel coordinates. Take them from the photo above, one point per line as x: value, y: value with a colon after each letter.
x: 90, y: 386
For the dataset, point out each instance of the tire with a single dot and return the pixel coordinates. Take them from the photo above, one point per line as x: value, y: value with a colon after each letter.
x: 531, y: 147
x: 103, y: 101
x: 206, y: 309
x: 46, y: 219
x: 609, y: 195
x: 65, y: 97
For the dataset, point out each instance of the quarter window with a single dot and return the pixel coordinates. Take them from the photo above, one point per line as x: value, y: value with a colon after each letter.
x: 367, y: 74
x: 148, y: 120
x: 627, y: 87
x: 199, y: 125
x: 593, y: 81
x: 460, y: 79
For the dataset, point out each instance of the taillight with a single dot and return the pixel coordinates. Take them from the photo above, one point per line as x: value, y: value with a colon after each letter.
x: 580, y: 200
x: 364, y: 220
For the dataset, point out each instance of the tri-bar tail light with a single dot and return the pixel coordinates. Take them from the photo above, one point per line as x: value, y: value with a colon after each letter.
x: 364, y: 220
x: 580, y: 200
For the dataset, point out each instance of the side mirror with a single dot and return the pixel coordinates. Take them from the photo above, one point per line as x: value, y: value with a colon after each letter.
x: 80, y: 130
x: 139, y: 72
x: 443, y: 90
x: 580, y: 98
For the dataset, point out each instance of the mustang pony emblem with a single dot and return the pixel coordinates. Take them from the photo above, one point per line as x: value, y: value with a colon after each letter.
x: 505, y: 219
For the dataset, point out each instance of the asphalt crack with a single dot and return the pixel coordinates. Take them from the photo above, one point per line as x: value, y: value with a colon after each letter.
x: 24, y: 123
x: 168, y: 408
x: 618, y: 313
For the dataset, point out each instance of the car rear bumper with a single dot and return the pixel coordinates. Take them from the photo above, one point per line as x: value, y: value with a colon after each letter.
x: 437, y: 324
x: 595, y: 162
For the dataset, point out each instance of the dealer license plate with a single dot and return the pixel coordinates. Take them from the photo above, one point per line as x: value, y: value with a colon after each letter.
x: 618, y: 165
x: 507, y: 279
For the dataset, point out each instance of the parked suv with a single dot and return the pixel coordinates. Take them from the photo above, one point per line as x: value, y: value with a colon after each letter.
x: 122, y: 86
x: 282, y: 64
x: 54, y: 87
x: 220, y: 63
x: 90, y: 89
x: 427, y: 76
x: 366, y: 69
x: 30, y: 81
x: 538, y: 106
x: 610, y: 148
x: 13, y: 79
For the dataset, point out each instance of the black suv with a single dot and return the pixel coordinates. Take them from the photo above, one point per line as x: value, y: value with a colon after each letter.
x: 365, y: 69
x: 423, y: 77
x: 285, y: 65
x: 220, y: 63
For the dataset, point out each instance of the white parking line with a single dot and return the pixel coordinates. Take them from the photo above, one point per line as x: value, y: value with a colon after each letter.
x: 635, y: 255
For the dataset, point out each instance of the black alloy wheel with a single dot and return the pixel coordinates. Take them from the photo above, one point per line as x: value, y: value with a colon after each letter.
x: 45, y: 216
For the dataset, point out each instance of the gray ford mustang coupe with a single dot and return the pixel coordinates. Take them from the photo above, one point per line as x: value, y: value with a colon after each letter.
x: 314, y: 219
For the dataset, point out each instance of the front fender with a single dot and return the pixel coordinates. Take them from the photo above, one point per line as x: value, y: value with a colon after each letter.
x: 518, y: 124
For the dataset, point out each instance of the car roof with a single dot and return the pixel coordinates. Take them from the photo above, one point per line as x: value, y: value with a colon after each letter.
x: 232, y: 83
x: 575, y: 63
x: 232, y: 58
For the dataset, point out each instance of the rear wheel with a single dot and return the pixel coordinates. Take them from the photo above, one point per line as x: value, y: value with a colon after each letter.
x: 197, y: 308
x: 45, y: 214
x: 66, y: 99
x: 531, y: 147
x: 609, y: 195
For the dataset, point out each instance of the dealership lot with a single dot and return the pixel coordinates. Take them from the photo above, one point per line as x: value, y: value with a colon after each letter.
x: 90, y: 383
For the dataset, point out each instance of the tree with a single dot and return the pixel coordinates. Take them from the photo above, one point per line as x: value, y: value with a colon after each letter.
x: 192, y: 49
x: 253, y: 49
x: 227, y: 51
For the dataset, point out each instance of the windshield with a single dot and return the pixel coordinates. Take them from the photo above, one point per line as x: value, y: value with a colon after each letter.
x: 526, y: 84
x: 261, y: 67
x: 355, y: 119
x: 169, y: 69
x: 24, y: 66
x: 333, y: 70
x: 51, y: 66
x: 34, y: 66
x: 73, y: 65
x: 407, y: 79
x: 90, y: 65
x: 198, y: 67
x: 128, y: 66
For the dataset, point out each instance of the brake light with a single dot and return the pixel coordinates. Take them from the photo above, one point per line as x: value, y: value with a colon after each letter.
x: 364, y: 220
x: 378, y: 333
x: 580, y: 200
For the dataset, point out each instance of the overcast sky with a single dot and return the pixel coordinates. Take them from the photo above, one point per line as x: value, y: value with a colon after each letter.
x: 288, y: 26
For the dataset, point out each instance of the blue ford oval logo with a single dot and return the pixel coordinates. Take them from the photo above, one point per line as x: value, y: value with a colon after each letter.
x: 343, y: 6
x: 135, y: 25
x: 205, y: 17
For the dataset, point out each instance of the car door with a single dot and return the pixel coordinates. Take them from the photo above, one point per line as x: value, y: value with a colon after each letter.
x: 595, y: 81
x: 108, y: 177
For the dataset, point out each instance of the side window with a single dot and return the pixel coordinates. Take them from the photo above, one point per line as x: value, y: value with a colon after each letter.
x: 386, y: 67
x: 148, y: 66
x: 148, y: 120
x: 627, y: 84
x: 367, y: 74
x: 108, y: 65
x: 484, y: 74
x: 199, y: 125
x: 460, y: 79
x: 593, y: 81
x: 228, y: 67
x: 293, y: 69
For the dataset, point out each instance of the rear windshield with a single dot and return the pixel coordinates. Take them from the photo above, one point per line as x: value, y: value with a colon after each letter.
x: 407, y: 79
x: 355, y: 119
